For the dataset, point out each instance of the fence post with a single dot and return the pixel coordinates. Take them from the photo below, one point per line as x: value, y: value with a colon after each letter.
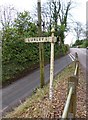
x: 72, y: 82
x: 76, y: 58
x: 76, y: 65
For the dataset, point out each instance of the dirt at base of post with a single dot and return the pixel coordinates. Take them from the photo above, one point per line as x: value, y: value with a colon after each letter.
x: 39, y: 106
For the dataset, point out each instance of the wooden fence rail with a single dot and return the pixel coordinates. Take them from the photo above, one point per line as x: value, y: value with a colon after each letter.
x: 71, y: 103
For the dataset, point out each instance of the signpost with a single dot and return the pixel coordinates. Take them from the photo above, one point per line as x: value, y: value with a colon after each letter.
x: 52, y: 66
x: 41, y: 40
x: 52, y: 40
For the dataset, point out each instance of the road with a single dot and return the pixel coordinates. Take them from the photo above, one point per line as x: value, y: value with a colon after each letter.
x: 19, y: 90
x: 83, y: 57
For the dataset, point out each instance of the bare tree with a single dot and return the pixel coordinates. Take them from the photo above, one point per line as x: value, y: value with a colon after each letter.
x: 79, y: 30
x: 56, y: 13
x: 7, y: 14
x: 50, y: 11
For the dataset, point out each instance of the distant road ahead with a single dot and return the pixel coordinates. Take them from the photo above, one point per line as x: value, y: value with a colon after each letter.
x: 83, y: 56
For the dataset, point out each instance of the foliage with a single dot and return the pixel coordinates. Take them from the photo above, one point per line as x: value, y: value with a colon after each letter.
x: 81, y: 43
x: 15, y: 52
x: 85, y: 43
x: 78, y: 42
x: 24, y: 25
x: 17, y: 56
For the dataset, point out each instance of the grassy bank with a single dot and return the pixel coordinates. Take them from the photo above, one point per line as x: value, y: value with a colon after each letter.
x: 39, y: 106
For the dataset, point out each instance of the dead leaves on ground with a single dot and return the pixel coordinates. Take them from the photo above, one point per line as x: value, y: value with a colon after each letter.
x: 45, y: 109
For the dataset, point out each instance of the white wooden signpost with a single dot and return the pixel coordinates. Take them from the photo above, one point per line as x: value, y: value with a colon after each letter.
x: 52, y: 40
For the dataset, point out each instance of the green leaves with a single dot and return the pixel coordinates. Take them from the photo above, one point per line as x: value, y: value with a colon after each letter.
x: 18, y: 55
x: 81, y: 43
x: 24, y: 25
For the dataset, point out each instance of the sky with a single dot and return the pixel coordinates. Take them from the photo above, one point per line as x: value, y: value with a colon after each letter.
x: 78, y: 12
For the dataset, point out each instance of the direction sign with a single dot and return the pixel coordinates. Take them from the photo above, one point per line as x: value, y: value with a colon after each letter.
x: 40, y: 39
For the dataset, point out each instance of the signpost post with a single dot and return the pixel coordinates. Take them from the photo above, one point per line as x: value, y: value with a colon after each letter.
x: 51, y: 66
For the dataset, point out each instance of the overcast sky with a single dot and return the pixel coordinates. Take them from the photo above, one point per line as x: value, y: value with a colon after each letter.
x: 78, y: 13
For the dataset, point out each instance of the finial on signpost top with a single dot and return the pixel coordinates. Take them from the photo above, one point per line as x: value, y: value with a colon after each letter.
x: 52, y: 30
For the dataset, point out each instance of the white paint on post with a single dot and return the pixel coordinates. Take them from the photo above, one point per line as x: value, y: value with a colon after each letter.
x: 51, y: 67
